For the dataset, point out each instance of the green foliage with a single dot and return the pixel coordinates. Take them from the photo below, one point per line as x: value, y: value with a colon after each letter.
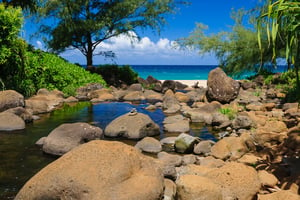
x: 116, y: 75
x: 237, y: 51
x: 229, y: 112
x: 30, y: 5
x: 85, y: 24
x: 45, y: 70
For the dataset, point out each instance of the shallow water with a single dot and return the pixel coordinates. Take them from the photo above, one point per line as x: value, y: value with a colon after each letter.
x: 20, y: 158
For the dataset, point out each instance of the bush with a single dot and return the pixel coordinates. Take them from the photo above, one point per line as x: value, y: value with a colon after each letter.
x: 45, y: 70
x: 116, y: 75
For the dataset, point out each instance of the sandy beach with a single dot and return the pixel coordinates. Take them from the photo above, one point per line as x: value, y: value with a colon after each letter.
x: 191, y: 83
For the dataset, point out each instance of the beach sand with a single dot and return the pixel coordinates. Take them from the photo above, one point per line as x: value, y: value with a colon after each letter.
x: 190, y: 83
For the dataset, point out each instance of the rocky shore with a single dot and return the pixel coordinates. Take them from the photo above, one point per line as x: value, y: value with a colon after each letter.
x: 256, y: 155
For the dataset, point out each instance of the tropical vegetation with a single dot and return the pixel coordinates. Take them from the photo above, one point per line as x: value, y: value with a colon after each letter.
x: 85, y: 24
x: 26, y: 70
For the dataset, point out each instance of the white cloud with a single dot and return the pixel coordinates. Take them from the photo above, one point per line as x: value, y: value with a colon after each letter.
x: 39, y: 44
x: 129, y: 50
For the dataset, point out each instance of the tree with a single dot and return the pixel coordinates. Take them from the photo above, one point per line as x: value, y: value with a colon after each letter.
x: 30, y: 5
x: 283, y: 17
x: 236, y: 50
x: 84, y: 24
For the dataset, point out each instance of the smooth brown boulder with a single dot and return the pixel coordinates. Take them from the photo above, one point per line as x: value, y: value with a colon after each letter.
x: 10, y: 99
x: 220, y: 87
x: 98, y: 170
x: 68, y: 136
x: 10, y: 122
x: 133, y: 126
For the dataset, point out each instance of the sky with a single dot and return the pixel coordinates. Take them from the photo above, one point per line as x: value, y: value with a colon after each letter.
x: 158, y: 49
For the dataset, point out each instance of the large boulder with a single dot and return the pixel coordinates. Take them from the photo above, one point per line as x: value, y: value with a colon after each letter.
x: 237, y: 181
x: 170, y: 103
x: 132, y: 126
x: 68, y: 136
x: 10, y: 99
x: 98, y: 170
x: 10, y: 122
x: 221, y: 87
x: 193, y: 187
x: 44, y: 101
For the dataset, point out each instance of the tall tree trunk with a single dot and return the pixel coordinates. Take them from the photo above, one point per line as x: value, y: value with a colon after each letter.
x: 89, y: 53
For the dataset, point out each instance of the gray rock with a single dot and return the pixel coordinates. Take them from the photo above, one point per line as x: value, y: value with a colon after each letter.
x: 220, y: 87
x: 203, y: 147
x: 10, y: 99
x: 168, y: 85
x: 185, y: 143
x: 10, y: 122
x: 132, y: 126
x: 68, y: 136
x: 149, y: 145
x: 242, y: 122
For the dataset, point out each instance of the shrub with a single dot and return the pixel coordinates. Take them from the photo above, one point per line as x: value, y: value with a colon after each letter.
x: 45, y: 70
x: 116, y: 75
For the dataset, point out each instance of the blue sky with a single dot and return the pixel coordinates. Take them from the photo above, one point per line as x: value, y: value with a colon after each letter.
x: 154, y: 48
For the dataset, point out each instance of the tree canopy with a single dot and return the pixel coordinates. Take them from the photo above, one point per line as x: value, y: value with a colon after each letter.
x: 30, y: 5
x: 84, y: 24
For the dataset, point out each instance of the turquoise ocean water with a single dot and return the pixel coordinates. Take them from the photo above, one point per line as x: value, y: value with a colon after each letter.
x: 182, y: 72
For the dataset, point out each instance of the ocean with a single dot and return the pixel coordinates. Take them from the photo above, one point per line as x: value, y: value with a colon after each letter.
x: 182, y: 72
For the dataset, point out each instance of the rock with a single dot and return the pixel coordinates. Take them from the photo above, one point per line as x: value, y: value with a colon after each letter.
x: 123, y: 126
x: 151, y: 107
x: 169, y: 162
x: 221, y: 87
x: 237, y: 181
x: 45, y: 101
x: 176, y: 124
x: 11, y: 122
x: 267, y: 179
x: 168, y: 143
x: 180, y: 86
x: 192, y: 169
x: 99, y: 170
x: 134, y: 96
x: 135, y: 87
x: 152, y: 96
x: 151, y: 80
x: 170, y: 190
x: 170, y: 103
x: 249, y: 159
x: 102, y: 95
x: 188, y: 159
x: 82, y: 92
x: 68, y: 136
x: 193, y: 187
x: 229, y: 147
x: 242, y: 122
x: 279, y: 195
x: 203, y: 147
x: 149, y: 145
x: 70, y: 99
x: 182, y: 97
x: 185, y: 143
x: 210, y: 162
x: 255, y: 106
x: 288, y: 106
x: 247, y: 85
x: 168, y: 85
x: 10, y: 99
x: 40, y: 142
x: 21, y: 112
x: 197, y: 94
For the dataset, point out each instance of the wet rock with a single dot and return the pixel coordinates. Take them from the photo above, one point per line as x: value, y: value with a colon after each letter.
x: 10, y: 122
x: 149, y: 145
x: 176, y: 124
x: 220, y: 87
x: 132, y: 126
x: 185, y: 143
x: 99, y: 170
x: 68, y: 136
x: 10, y: 99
